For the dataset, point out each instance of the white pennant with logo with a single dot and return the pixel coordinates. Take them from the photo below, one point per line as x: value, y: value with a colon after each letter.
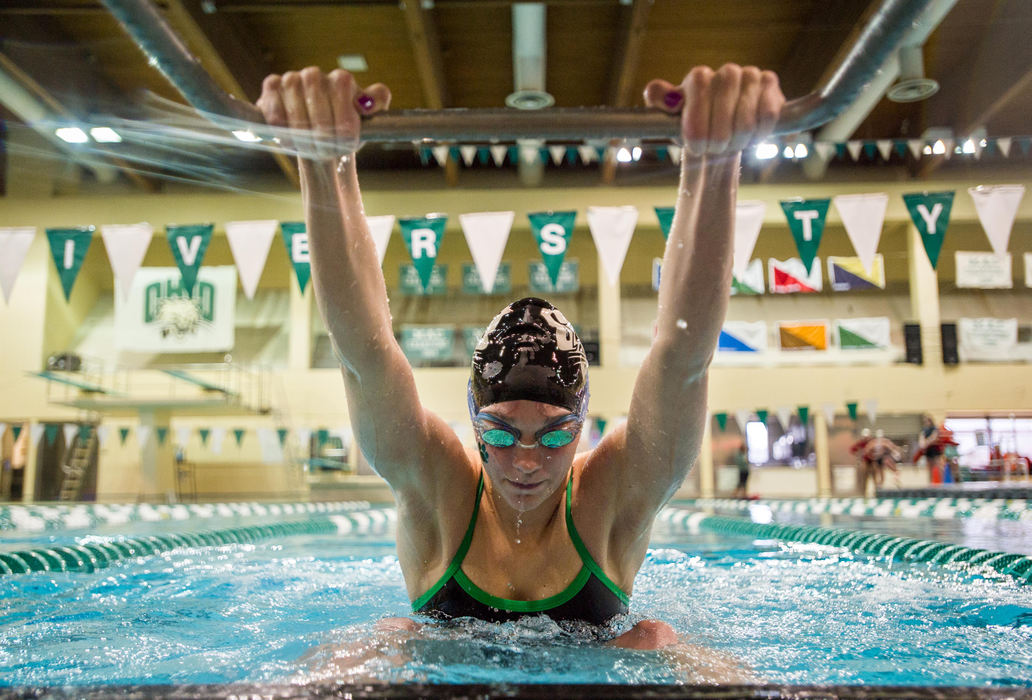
x: 486, y: 235
x: 997, y: 206
x: 249, y: 242
x: 863, y: 216
x: 612, y: 228
x: 126, y: 246
x: 748, y: 221
x: 380, y: 228
x: 14, y: 246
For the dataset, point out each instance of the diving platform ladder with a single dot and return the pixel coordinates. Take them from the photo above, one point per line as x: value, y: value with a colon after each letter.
x: 78, y: 461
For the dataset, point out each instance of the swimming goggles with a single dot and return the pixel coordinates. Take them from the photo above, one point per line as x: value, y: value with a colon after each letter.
x: 496, y: 433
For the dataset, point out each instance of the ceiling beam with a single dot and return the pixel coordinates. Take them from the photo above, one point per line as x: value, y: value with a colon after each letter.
x: 226, y: 55
x: 624, y: 71
x: 831, y: 27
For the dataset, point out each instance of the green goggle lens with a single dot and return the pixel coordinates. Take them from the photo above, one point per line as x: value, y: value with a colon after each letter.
x: 556, y: 438
x: 498, y: 438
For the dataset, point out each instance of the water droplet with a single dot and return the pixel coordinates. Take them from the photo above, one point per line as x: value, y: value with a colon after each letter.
x: 681, y: 323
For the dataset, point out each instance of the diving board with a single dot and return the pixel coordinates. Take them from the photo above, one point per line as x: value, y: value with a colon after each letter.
x: 197, y: 381
x: 64, y: 378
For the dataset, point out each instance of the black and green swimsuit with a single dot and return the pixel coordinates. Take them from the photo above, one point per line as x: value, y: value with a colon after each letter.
x: 591, y: 596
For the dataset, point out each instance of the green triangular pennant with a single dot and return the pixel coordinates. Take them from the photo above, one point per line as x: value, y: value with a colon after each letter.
x: 238, y: 433
x: 930, y: 212
x: 552, y: 231
x: 123, y: 434
x: 189, y: 244
x: 85, y: 430
x: 422, y: 237
x: 849, y: 339
x: 295, y: 237
x: 869, y: 149
x: 666, y: 219
x: 804, y: 414
x: 162, y: 434
x: 205, y: 432
x: 282, y: 434
x: 851, y: 407
x: 68, y: 247
x: 806, y: 219
x: 721, y: 421
x: 761, y: 413
x: 50, y: 433
x: 600, y: 423
x: 322, y: 435
x: 16, y: 431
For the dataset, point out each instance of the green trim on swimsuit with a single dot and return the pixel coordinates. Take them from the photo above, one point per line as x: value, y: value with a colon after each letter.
x: 525, y: 606
x: 582, y: 550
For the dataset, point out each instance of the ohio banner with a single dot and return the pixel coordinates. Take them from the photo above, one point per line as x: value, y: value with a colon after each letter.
x: 743, y: 336
x: 159, y: 316
x: 790, y: 276
x: 862, y: 333
x: 803, y: 335
x: 849, y: 274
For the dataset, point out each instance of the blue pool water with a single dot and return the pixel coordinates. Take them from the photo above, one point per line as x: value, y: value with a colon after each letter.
x: 275, y: 611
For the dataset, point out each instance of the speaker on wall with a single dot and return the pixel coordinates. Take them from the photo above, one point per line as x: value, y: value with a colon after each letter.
x: 949, y: 344
x: 912, y: 342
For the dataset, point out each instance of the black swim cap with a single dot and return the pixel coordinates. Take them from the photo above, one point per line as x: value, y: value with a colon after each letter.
x: 531, y: 352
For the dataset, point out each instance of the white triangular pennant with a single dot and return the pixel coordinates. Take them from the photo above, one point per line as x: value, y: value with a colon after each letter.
x: 344, y: 433
x: 304, y: 435
x: 862, y: 216
x: 1004, y: 144
x: 103, y: 432
x: 218, y: 436
x: 36, y: 432
x: 557, y: 153
x: 784, y: 417
x: 871, y: 406
x: 587, y: 154
x: 529, y: 154
x: 440, y: 155
x: 829, y: 412
x: 468, y: 153
x: 675, y: 154
x: 498, y: 154
x: 143, y: 433
x: 612, y: 228
x: 916, y: 147
x: 884, y: 147
x: 825, y: 149
x: 70, y: 430
x: 742, y: 416
x: 249, y: 241
x: 3, y: 429
x: 486, y: 235
x: 854, y: 148
x: 126, y: 246
x: 14, y: 246
x: 182, y: 436
x: 380, y: 228
x: 268, y: 443
x: 997, y: 206
x: 748, y: 221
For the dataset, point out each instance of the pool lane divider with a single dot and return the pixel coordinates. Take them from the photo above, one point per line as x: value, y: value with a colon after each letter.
x: 1016, y: 566
x: 92, y: 556
x: 936, y: 508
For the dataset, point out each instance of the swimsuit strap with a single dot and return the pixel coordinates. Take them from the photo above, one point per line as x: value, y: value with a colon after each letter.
x: 582, y: 550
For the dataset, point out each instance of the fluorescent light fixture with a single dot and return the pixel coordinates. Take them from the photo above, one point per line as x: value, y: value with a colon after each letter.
x: 354, y: 62
x: 938, y: 148
x: 623, y: 155
x: 801, y: 150
x: 246, y: 136
x: 71, y: 134
x: 766, y: 151
x: 983, y: 143
x: 969, y: 147
x: 105, y: 134
x: 636, y: 153
x: 927, y: 150
x: 788, y: 152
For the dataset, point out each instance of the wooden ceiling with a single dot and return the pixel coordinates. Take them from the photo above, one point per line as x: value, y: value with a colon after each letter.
x: 458, y: 53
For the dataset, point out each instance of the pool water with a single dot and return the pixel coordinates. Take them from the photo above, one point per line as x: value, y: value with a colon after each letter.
x: 274, y: 612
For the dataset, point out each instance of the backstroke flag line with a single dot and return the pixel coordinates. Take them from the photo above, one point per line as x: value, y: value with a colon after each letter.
x: 863, y: 216
x: 295, y: 238
x: 68, y: 247
x: 423, y: 237
x: 249, y: 241
x: 486, y: 235
x: 930, y: 212
x: 748, y: 221
x: 552, y: 232
x: 189, y: 244
x: 612, y: 228
x: 380, y: 228
x: 126, y: 245
x: 806, y: 220
x: 15, y: 242
x: 997, y: 206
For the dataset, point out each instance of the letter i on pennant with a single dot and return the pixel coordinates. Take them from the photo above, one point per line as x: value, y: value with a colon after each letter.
x: 68, y: 247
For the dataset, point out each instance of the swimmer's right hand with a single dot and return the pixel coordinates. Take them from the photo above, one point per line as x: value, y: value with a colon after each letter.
x: 321, y: 112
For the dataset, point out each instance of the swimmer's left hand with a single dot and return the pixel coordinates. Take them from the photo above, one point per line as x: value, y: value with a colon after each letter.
x: 721, y: 111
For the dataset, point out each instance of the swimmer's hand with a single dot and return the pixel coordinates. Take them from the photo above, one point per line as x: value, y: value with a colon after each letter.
x: 721, y: 111
x: 318, y: 115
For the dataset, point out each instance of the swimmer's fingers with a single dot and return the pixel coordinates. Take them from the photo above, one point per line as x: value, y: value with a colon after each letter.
x: 378, y: 99
x: 668, y: 97
x: 320, y: 113
x: 270, y: 103
x: 746, y: 117
x: 292, y: 89
x: 696, y: 114
x: 771, y: 100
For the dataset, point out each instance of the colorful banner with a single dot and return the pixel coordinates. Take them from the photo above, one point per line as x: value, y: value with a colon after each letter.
x: 665, y: 215
x: 987, y: 339
x: 412, y: 284
x: 862, y: 216
x: 15, y: 242
x: 189, y: 244
x: 930, y: 212
x: 422, y: 236
x: 552, y: 231
x: 997, y: 206
x: 126, y: 247
x: 850, y: 274
x: 472, y: 284
x: 68, y: 247
x: 567, y: 279
x: 743, y: 336
x: 611, y: 229
x: 983, y: 270
x: 790, y: 277
x: 250, y: 241
x: 803, y: 335
x: 486, y: 235
x: 863, y: 333
x: 428, y: 343
x: 806, y: 220
x: 159, y: 316
x: 749, y: 281
x: 748, y: 221
x: 295, y: 238
x: 380, y: 228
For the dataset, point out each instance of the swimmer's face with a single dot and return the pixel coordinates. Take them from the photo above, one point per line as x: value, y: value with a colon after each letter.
x: 525, y: 477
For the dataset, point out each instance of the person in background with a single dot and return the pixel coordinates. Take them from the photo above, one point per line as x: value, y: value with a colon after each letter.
x: 863, y: 465
x: 882, y: 454
x: 928, y: 446
x: 742, y: 462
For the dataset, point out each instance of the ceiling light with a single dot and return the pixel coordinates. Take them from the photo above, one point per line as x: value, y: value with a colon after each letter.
x: 354, y: 62
x: 71, y: 134
x: 968, y: 147
x: 766, y: 151
x: 801, y: 151
x: 105, y: 134
x: 636, y: 153
x: 246, y: 136
x: 927, y: 150
x: 938, y: 148
x: 788, y: 152
x: 623, y: 155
